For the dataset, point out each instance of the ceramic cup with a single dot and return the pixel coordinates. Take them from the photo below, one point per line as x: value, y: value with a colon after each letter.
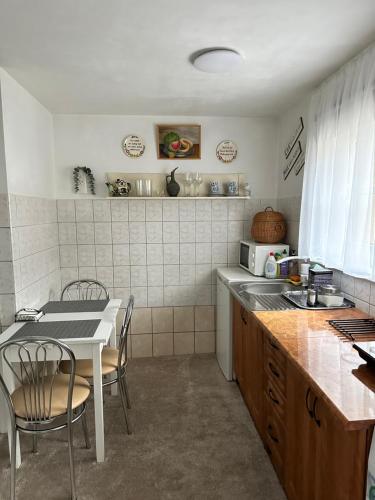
x: 215, y: 188
x: 232, y: 188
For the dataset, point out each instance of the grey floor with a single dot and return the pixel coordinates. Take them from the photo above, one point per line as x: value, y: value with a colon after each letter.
x: 193, y: 439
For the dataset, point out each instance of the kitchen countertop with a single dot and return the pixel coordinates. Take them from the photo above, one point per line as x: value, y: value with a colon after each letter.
x: 334, y: 368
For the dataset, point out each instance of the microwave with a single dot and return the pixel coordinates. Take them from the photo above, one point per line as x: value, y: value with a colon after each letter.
x: 253, y: 255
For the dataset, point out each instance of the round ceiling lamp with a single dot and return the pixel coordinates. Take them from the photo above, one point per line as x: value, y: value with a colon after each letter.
x: 218, y: 60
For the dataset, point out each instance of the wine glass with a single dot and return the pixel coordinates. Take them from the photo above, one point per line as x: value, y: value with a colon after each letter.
x: 197, y: 179
x: 188, y: 182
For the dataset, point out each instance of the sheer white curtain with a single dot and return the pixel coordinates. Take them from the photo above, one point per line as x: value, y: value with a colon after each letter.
x: 338, y: 203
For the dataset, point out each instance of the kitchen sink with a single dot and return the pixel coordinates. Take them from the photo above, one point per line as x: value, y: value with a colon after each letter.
x: 274, y: 288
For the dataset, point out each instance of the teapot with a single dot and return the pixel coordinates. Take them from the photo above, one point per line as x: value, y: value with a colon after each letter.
x: 119, y: 187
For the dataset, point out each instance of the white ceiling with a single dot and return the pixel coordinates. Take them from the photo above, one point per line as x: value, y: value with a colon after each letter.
x: 132, y: 57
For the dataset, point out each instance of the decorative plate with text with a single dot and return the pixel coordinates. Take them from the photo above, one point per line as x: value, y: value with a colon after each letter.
x: 226, y: 151
x: 133, y: 146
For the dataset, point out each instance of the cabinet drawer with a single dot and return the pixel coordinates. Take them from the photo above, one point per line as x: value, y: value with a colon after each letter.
x: 274, y: 430
x: 275, y: 372
x: 275, y: 458
x: 275, y: 399
x: 273, y: 350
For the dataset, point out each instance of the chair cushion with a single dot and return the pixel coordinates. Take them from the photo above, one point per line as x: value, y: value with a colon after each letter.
x: 59, y: 400
x: 84, y: 366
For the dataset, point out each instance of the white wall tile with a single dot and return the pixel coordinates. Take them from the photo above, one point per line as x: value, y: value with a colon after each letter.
x: 68, y: 256
x: 103, y: 255
x: 362, y: 289
x: 203, y: 210
x: 85, y: 232
x: 187, y: 232
x: 66, y: 211
x: 202, y: 232
x: 105, y: 276
x: 140, y: 296
x: 187, y: 274
x: 138, y: 276
x: 171, y: 275
x: 171, y: 253
x: 203, y: 253
x: 5, y: 244
x: 102, y: 210
x: 137, y: 232
x: 203, y: 295
x: 219, y: 253
x: 121, y: 255
x: 187, y: 253
x: 137, y: 210
x: 137, y: 254
x: 119, y: 210
x: 171, y: 232
x: 233, y: 253
x: 155, y: 296
x: 155, y: 254
x: 155, y: 275
x: 236, y: 210
x: 170, y: 210
x: 68, y: 274
x: 103, y: 233
x: 219, y: 209
x: 67, y: 233
x: 154, y: 210
x: 347, y: 284
x: 187, y: 210
x: 120, y: 232
x: 84, y: 211
x: 154, y: 232
x: 235, y: 231
x: 122, y: 294
x: 219, y: 231
x: 203, y: 274
x: 121, y: 277
x: 6, y: 277
x: 88, y: 272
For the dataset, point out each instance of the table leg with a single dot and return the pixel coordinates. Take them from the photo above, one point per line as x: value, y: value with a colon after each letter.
x: 98, y: 401
x: 112, y: 343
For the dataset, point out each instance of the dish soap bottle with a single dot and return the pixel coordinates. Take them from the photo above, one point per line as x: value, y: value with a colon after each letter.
x: 271, y: 267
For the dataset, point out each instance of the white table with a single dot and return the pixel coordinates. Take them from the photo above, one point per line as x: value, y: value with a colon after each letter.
x: 83, y: 348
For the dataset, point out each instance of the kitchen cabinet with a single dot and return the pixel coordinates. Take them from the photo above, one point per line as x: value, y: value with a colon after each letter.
x: 314, y: 455
x: 248, y: 361
x: 323, y: 460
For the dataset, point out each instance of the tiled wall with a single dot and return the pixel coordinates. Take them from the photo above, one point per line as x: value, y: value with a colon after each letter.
x: 164, y: 252
x: 361, y: 292
x: 29, y: 251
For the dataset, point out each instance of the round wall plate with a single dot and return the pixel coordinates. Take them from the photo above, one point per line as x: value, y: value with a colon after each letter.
x: 133, y: 146
x: 226, y: 151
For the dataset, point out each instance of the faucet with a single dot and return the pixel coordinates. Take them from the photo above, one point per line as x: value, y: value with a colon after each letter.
x: 304, y: 277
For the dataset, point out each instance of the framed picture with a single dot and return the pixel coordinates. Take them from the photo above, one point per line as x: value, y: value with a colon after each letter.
x: 182, y: 142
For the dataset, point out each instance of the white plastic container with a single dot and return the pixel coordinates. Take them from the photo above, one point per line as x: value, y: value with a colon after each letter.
x: 270, y: 269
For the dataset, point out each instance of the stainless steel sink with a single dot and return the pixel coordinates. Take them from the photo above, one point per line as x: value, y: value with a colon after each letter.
x: 274, y: 288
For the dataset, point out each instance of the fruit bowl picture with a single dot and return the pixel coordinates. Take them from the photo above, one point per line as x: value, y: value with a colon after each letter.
x: 178, y: 141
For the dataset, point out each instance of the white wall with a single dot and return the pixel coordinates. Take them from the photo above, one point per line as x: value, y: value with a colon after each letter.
x: 28, y: 139
x: 287, y: 124
x: 95, y: 141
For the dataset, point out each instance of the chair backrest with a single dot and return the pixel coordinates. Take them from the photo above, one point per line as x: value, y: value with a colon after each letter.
x: 84, y: 289
x: 36, y: 375
x: 123, y: 342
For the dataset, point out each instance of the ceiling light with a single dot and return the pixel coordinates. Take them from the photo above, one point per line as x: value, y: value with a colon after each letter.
x: 218, y: 60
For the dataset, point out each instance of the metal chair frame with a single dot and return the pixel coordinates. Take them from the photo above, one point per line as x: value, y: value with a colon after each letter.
x: 85, y: 289
x: 34, y: 368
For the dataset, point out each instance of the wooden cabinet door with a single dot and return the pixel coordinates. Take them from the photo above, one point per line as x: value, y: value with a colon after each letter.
x: 340, y: 460
x: 238, y: 342
x: 300, y: 438
x: 253, y: 367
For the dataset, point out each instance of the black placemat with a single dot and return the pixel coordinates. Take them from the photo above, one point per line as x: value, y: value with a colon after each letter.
x: 74, y: 306
x: 59, y: 330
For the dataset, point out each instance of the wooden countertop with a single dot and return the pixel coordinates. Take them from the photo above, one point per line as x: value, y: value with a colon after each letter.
x: 332, y: 365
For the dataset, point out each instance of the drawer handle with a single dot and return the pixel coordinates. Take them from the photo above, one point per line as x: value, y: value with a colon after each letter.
x: 272, y: 396
x: 309, y: 410
x: 274, y: 346
x: 269, y: 431
x: 316, y: 419
x: 273, y: 370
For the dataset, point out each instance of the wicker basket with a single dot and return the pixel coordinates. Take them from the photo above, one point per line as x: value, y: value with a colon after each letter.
x: 268, y: 226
